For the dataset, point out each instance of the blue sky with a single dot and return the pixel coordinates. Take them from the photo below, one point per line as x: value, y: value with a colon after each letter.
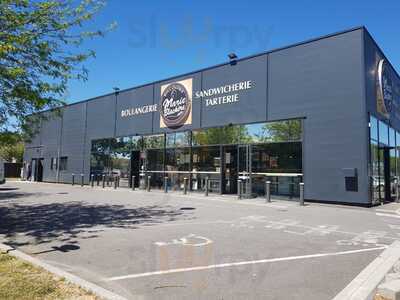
x: 158, y: 39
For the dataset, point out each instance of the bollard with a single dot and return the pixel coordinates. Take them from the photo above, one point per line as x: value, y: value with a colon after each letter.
x: 206, y: 189
x: 115, y: 182
x: 148, y: 183
x: 268, y: 191
x: 397, y: 191
x: 118, y: 180
x: 166, y: 184
x: 82, y: 178
x: 108, y: 179
x: 301, y: 193
x: 104, y: 181
x: 92, y: 180
x: 239, y: 189
x: 73, y: 179
x: 98, y: 179
x: 133, y: 183
x: 185, y: 184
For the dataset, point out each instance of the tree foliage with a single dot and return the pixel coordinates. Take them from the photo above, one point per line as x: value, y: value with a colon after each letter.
x: 11, y: 147
x: 39, y: 54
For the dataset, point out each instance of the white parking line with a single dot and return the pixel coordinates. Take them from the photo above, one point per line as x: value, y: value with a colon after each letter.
x: 388, y: 215
x: 242, y: 263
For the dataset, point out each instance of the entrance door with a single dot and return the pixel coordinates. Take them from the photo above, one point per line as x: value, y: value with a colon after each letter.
x: 39, y: 175
x: 135, y: 167
x: 244, y: 168
x: 386, y: 180
x: 229, y: 169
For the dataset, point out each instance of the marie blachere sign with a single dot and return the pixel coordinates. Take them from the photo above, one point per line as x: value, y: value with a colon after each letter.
x: 384, y: 89
x: 175, y: 104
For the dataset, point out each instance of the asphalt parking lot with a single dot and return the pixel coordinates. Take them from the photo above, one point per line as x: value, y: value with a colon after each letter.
x: 170, y: 246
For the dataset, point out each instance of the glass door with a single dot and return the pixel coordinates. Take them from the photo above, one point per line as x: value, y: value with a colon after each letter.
x: 135, y: 168
x: 229, y: 170
x: 244, y: 168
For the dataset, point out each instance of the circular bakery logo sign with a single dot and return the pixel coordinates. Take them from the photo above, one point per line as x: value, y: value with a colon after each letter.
x: 384, y: 89
x: 175, y: 105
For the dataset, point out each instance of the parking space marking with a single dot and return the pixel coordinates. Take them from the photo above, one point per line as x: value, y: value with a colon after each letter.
x: 189, y: 240
x: 388, y: 215
x: 242, y: 263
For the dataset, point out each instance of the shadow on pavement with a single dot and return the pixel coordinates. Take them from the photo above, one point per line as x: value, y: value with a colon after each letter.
x: 65, y: 221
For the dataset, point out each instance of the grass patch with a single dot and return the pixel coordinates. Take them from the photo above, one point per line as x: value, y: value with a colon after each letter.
x: 21, y: 280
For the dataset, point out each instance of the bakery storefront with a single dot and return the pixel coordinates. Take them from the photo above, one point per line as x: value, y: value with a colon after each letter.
x: 325, y: 112
x: 251, y: 153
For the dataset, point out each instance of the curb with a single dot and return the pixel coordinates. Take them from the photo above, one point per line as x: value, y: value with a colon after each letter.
x: 364, y: 286
x: 86, y: 285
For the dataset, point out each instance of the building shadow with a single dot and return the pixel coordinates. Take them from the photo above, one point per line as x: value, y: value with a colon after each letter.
x: 69, y: 220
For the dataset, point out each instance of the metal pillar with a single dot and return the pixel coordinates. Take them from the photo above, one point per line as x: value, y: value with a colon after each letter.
x: 148, y: 183
x: 207, y: 185
x: 92, y: 180
x: 239, y: 189
x: 104, y: 180
x: 185, y: 183
x: 115, y: 182
x: 301, y: 193
x: 73, y: 179
x: 165, y: 184
x: 82, y: 178
x: 268, y: 191
x: 133, y: 183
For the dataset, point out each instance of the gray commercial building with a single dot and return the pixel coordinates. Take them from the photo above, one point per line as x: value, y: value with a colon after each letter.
x: 325, y: 111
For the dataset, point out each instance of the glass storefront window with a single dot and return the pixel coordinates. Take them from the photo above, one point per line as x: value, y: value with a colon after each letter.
x: 392, y: 157
x: 383, y: 133
x: 101, y: 146
x: 120, y: 153
x: 277, y: 158
x: 375, y: 171
x: 153, y: 141
x: 177, y: 139
x: 100, y: 157
x: 373, y: 128
x: 398, y: 154
x: 177, y: 159
x: 282, y: 131
x: 206, y: 162
x: 136, y: 143
x: 217, y: 135
x: 213, y: 153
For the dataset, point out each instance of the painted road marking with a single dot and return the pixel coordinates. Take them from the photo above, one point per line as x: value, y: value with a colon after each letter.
x: 241, y: 263
x: 388, y: 215
x: 284, y: 224
x: 189, y: 240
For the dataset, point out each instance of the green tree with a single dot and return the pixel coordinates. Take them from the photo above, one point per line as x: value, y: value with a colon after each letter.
x: 39, y: 53
x: 11, y: 147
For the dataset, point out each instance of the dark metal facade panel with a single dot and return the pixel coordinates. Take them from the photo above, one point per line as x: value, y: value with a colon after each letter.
x: 72, y: 139
x: 138, y: 124
x: 51, y: 136
x: 101, y: 117
x: 251, y: 103
x: 323, y: 82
